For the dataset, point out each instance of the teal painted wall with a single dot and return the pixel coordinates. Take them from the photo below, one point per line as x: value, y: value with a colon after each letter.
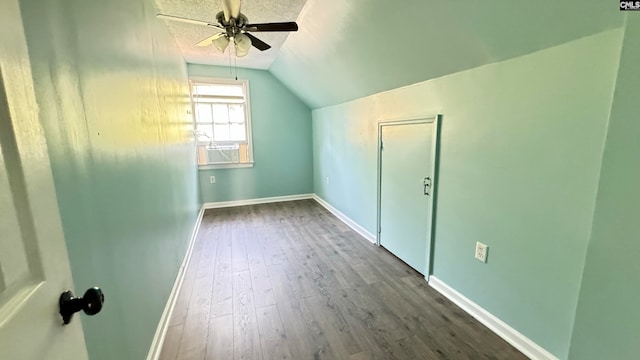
x: 521, y: 149
x: 608, y: 321
x: 282, y: 150
x: 345, y: 50
x: 113, y: 97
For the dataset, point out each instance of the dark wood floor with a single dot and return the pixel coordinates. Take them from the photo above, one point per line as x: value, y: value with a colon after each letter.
x: 291, y: 281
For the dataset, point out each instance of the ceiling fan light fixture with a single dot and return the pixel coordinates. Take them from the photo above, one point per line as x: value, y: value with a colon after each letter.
x: 243, y: 44
x: 233, y: 24
x: 221, y: 43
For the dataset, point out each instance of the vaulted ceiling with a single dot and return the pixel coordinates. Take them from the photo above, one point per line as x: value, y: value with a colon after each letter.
x: 349, y: 49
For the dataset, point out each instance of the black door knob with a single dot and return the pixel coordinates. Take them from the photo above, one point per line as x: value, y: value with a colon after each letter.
x: 91, y: 303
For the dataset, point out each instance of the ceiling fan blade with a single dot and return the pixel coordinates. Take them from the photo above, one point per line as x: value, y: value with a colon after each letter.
x: 209, y: 40
x: 231, y: 9
x: 257, y: 43
x: 188, y: 21
x: 280, y: 26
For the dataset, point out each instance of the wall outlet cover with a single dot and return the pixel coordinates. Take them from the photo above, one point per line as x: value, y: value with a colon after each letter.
x: 481, y: 252
x: 212, y: 179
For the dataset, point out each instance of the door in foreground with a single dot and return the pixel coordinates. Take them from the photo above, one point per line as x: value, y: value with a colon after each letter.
x: 34, y: 267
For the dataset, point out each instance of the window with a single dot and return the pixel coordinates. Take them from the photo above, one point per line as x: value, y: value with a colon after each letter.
x: 222, y: 122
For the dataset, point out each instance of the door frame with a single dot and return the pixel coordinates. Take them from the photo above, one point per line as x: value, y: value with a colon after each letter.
x: 435, y: 147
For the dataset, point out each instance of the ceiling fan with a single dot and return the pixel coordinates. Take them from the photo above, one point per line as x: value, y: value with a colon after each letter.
x: 235, y: 26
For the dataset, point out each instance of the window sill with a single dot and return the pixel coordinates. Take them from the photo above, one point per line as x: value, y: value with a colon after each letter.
x: 225, y: 166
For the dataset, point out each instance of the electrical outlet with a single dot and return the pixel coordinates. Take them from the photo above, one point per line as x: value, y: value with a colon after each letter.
x: 481, y: 252
x: 326, y: 180
x: 212, y: 179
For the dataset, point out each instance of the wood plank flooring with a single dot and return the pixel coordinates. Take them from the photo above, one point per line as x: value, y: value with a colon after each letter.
x: 291, y: 281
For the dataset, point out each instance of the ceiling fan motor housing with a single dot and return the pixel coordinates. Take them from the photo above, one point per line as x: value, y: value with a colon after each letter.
x: 234, y: 26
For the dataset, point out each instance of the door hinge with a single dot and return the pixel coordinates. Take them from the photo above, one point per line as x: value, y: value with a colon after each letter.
x: 381, y: 145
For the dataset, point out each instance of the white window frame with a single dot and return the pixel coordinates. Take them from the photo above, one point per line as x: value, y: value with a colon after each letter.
x: 249, y: 132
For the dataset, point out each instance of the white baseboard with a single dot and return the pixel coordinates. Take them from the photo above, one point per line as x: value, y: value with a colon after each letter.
x: 163, y: 325
x: 223, y: 204
x: 345, y: 219
x: 509, y: 334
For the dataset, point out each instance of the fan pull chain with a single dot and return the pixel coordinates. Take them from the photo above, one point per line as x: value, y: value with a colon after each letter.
x: 230, y: 72
x: 235, y: 65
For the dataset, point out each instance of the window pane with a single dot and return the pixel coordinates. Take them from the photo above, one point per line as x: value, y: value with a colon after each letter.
x: 219, y: 100
x: 220, y: 116
x: 237, y: 132
x: 202, y: 130
x: 203, y: 113
x: 221, y: 132
x: 218, y: 89
x: 236, y: 113
x: 220, y: 113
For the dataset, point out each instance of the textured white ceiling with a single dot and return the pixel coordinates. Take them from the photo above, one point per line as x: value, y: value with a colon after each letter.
x: 258, y: 11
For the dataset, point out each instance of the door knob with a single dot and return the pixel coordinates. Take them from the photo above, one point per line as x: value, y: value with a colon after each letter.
x: 91, y: 303
x: 427, y: 183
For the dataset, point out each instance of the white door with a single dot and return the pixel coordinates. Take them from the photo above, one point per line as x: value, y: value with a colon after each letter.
x: 34, y: 267
x: 406, y: 190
